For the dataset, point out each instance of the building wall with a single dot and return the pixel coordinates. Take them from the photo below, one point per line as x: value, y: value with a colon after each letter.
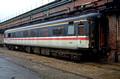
x: 119, y: 34
x: 1, y: 39
x: 112, y: 36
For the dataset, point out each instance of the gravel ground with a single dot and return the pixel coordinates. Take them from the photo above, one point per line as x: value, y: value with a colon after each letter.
x: 52, y: 68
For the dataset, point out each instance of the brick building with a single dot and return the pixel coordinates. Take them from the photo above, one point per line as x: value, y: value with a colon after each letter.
x: 67, y: 8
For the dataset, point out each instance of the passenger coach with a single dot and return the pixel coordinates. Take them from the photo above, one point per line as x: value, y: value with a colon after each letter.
x: 63, y: 37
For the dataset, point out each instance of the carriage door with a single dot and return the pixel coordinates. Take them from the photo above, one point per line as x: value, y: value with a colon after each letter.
x: 103, y: 34
x: 82, y: 38
x: 71, y: 43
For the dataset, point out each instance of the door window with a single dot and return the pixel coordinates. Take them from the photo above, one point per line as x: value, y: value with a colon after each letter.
x: 81, y: 29
x: 71, y: 28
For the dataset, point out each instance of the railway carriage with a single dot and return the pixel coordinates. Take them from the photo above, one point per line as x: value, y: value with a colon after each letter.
x: 63, y: 37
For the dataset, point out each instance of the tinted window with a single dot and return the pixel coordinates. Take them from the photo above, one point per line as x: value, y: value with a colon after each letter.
x: 14, y: 34
x: 33, y: 33
x: 9, y: 35
x: 58, y: 31
x: 26, y: 33
x: 20, y: 34
x: 44, y: 32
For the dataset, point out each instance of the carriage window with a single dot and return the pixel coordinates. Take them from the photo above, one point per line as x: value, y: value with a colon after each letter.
x: 81, y: 29
x: 6, y: 35
x: 25, y: 34
x: 14, y: 34
x: 71, y: 28
x: 44, y: 32
x: 9, y: 35
x: 19, y: 34
x: 58, y: 31
x: 33, y: 33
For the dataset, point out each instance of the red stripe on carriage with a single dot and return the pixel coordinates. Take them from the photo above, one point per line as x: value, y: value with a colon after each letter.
x: 79, y: 38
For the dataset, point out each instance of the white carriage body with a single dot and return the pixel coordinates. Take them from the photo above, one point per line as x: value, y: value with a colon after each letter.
x: 67, y: 42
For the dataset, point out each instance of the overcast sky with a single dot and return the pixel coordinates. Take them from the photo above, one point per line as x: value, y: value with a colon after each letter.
x: 12, y: 8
